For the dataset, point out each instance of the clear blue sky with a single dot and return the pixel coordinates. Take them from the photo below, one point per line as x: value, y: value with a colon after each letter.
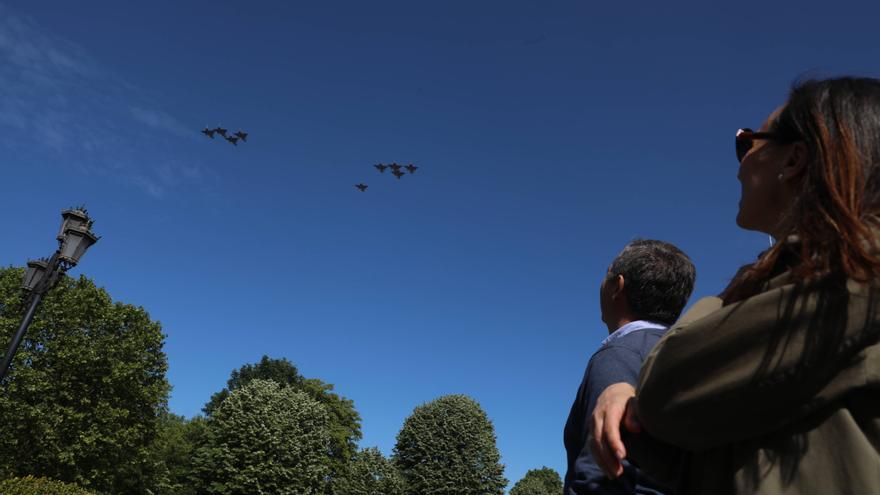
x: 548, y: 134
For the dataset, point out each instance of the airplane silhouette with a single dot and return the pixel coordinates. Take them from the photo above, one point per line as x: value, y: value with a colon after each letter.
x: 208, y: 132
x: 220, y: 130
x: 398, y: 174
x: 394, y: 166
x: 241, y: 135
x: 412, y: 168
x: 232, y: 139
x: 362, y: 187
x: 381, y: 167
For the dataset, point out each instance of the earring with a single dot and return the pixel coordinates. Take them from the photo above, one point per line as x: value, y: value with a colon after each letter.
x: 780, y: 177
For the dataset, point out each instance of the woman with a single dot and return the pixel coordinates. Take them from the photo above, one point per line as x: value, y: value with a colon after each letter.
x: 774, y: 387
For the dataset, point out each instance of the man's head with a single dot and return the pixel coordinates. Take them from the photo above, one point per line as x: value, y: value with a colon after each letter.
x: 648, y: 280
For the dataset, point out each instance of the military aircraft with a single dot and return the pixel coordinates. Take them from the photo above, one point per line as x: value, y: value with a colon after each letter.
x: 208, y: 132
x: 398, y: 174
x: 220, y: 130
x: 412, y: 168
x: 241, y: 135
x: 380, y: 167
x: 232, y: 139
x: 362, y: 187
x: 394, y: 166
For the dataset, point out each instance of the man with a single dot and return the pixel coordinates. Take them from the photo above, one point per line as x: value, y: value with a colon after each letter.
x: 643, y: 293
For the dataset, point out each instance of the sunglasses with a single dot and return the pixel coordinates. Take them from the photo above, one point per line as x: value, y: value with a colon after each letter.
x: 745, y: 139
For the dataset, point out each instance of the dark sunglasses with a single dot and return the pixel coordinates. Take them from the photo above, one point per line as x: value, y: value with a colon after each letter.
x: 745, y: 139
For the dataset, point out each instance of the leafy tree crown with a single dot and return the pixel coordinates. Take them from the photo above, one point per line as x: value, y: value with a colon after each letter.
x: 370, y: 473
x: 447, y: 447
x: 81, y: 400
x: 344, y: 420
x: 265, y: 438
x: 544, y: 481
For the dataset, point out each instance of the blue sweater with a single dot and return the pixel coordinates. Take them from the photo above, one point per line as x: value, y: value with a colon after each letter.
x: 618, y: 361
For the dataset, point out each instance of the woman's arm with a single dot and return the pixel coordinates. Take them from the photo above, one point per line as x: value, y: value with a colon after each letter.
x: 715, y: 380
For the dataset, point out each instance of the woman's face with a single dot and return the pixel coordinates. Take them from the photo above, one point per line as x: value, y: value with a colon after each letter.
x: 765, y: 198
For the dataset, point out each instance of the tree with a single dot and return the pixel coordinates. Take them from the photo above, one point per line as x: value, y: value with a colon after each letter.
x: 370, y: 473
x: 171, y: 453
x: 264, y: 439
x: 81, y: 399
x: 39, y: 486
x: 544, y: 481
x: 447, y: 447
x: 345, y: 422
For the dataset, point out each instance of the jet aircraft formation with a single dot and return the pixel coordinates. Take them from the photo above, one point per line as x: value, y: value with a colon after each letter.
x: 233, y: 138
x: 395, y: 171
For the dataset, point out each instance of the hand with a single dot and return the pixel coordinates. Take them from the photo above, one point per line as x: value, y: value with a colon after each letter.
x: 615, y: 405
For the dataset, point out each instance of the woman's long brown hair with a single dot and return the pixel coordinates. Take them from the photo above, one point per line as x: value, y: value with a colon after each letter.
x: 832, y: 220
x: 839, y: 122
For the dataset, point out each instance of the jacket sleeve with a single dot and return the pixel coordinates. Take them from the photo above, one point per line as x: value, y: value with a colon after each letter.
x: 712, y: 379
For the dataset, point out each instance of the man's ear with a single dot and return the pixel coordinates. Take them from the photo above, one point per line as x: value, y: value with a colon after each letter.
x: 796, y: 164
x: 618, y: 289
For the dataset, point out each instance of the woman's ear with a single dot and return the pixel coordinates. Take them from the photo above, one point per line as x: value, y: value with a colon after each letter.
x: 796, y: 164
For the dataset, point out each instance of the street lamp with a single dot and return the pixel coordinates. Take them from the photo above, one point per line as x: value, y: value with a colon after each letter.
x: 74, y: 239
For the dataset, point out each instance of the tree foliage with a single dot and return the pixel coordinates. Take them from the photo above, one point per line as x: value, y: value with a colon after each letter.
x: 447, y: 447
x: 544, y: 481
x: 344, y: 420
x: 264, y: 439
x: 171, y: 453
x: 39, y: 486
x: 370, y: 473
x: 81, y: 399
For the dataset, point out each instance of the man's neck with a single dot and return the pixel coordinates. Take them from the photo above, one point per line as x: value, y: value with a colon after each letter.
x: 619, y: 322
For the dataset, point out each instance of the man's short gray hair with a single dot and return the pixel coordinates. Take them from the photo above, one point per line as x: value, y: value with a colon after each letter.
x: 658, y: 278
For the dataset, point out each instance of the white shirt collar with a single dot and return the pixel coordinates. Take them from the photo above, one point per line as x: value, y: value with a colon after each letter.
x: 632, y: 327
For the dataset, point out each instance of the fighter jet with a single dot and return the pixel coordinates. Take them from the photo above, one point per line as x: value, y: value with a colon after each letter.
x: 394, y: 166
x: 232, y: 139
x: 362, y: 187
x: 398, y: 174
x: 412, y: 168
x: 380, y: 167
x: 241, y: 135
x: 208, y: 132
x: 220, y: 130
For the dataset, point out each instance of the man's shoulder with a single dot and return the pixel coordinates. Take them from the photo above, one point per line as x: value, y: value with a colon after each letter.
x: 624, y: 353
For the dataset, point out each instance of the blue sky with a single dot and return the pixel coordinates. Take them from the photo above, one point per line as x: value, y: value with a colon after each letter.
x: 548, y: 134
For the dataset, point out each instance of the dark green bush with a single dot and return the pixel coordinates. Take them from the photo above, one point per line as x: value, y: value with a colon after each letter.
x: 39, y: 486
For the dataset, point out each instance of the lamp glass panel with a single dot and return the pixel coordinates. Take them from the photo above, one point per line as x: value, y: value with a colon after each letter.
x: 33, y: 275
x: 72, y: 219
x: 73, y: 239
x: 76, y: 242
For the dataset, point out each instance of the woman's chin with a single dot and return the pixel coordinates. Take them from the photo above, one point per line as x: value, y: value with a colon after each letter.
x: 743, y: 222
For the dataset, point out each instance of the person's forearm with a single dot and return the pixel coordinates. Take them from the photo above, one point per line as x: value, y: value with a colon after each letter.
x: 703, y: 384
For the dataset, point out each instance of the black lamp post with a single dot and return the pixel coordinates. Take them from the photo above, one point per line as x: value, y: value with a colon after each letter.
x: 74, y: 239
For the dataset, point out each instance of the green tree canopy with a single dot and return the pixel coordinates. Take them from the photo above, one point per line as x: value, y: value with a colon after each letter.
x: 345, y: 422
x: 171, y: 453
x: 544, y: 481
x: 39, y: 486
x: 447, y: 447
x: 81, y: 399
x: 369, y: 473
x: 264, y: 439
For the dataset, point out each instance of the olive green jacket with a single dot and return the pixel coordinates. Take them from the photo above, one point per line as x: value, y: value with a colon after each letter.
x: 752, y: 420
